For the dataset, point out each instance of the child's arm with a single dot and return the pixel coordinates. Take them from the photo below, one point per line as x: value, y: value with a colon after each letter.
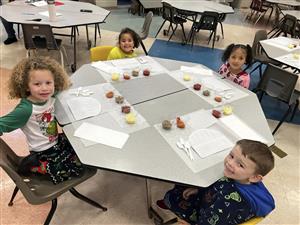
x: 188, y: 192
x: 16, y: 118
x: 246, y: 81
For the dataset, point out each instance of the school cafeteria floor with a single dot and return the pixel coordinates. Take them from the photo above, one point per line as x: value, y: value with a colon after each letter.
x: 124, y: 195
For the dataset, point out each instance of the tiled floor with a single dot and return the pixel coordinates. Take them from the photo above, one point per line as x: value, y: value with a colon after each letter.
x: 124, y: 195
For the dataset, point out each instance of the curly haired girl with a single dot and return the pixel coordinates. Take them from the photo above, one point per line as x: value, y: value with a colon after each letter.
x: 36, y: 81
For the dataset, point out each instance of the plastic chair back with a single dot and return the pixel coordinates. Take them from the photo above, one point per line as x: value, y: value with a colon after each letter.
x: 208, y: 21
x: 256, y: 47
x: 257, y: 5
x: 278, y: 83
x: 100, y: 53
x: 146, y: 26
x: 39, y: 36
x: 288, y: 25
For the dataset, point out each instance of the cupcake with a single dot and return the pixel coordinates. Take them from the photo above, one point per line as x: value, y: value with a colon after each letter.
x: 146, y: 72
x: 135, y: 72
x: 125, y: 109
x: 109, y: 94
x: 119, y: 99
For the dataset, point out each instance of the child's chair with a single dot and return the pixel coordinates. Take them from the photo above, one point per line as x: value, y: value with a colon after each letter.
x: 253, y: 221
x: 100, y: 53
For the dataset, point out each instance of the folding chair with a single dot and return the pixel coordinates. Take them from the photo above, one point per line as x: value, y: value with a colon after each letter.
x: 38, y: 190
x: 258, y: 54
x: 287, y: 26
x: 208, y: 21
x: 279, y: 84
x: 40, y: 36
x: 169, y: 14
x: 259, y: 8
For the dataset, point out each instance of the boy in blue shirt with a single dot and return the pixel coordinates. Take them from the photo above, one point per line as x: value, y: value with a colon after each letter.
x: 233, y: 199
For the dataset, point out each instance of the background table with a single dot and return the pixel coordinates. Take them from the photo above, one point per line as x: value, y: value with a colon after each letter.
x: 278, y: 49
x: 199, y: 6
x: 20, y: 12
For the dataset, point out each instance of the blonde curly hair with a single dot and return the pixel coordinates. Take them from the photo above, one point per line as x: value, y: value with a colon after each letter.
x: 18, y: 82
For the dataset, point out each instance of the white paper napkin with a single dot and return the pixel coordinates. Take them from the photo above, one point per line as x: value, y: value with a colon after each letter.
x: 84, y: 107
x: 101, y: 135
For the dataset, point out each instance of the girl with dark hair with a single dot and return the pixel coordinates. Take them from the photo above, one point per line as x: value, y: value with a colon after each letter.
x: 234, y: 58
x: 127, y: 42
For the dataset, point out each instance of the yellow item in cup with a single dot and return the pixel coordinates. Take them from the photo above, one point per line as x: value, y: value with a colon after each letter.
x: 296, y: 56
x: 115, y: 76
x: 227, y: 110
x: 186, y: 77
x: 130, y: 118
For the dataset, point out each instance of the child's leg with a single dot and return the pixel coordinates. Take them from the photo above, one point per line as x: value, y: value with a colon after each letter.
x: 184, y: 209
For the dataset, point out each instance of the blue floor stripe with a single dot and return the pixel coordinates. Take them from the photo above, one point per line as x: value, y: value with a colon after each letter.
x: 272, y: 108
x: 177, y: 51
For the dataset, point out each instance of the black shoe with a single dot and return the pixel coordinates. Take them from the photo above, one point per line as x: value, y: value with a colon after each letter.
x: 10, y: 40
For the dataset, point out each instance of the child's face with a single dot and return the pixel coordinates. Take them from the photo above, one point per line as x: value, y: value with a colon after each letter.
x: 40, y: 85
x: 126, y: 43
x: 240, y: 168
x: 237, y: 59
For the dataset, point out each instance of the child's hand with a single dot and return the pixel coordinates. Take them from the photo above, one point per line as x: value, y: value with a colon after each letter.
x: 182, y: 222
x: 188, y: 192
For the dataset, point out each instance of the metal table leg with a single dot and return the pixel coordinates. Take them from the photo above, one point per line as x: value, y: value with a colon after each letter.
x: 158, y: 220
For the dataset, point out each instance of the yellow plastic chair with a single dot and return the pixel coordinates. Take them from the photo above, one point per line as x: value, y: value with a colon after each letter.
x: 253, y: 221
x: 100, y: 53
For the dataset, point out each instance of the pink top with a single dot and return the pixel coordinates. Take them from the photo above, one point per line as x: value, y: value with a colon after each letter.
x: 242, y: 78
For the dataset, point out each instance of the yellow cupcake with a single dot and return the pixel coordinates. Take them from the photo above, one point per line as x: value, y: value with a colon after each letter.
x: 296, y: 56
x: 115, y: 76
x: 186, y: 77
x: 130, y: 118
x: 227, y: 110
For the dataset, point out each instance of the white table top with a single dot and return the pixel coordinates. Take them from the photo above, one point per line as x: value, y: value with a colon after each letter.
x: 200, y: 6
x: 21, y: 12
x: 150, y: 4
x: 283, y: 49
x: 146, y: 152
x: 295, y: 13
x: 284, y: 2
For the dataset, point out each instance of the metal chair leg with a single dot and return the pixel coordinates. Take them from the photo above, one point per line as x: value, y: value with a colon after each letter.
x: 84, y: 198
x: 160, y: 28
x: 52, y: 211
x: 173, y: 31
x: 282, y: 120
x: 13, y: 196
x: 144, y: 48
x: 294, y: 110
